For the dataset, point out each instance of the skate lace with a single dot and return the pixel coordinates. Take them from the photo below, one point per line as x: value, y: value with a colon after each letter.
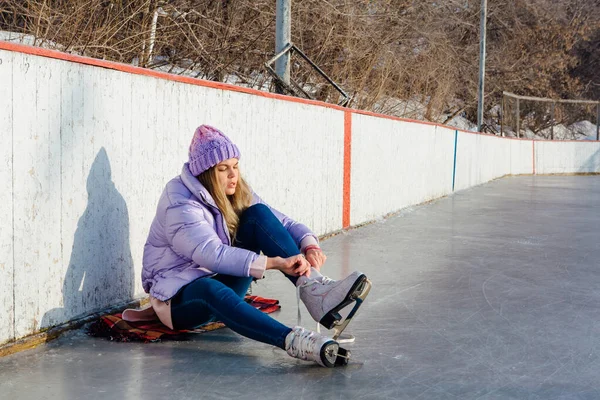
x: 326, y: 280
x: 298, y: 303
x: 303, y: 344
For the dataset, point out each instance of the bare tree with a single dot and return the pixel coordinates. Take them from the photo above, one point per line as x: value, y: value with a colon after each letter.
x: 401, y: 57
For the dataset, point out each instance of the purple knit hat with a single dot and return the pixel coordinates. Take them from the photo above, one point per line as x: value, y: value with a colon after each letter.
x: 209, y: 147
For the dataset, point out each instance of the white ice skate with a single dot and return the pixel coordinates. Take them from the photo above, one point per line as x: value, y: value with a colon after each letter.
x: 325, y: 298
x: 312, y: 346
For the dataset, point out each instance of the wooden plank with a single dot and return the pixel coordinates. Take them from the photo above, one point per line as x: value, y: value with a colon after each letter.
x: 6, y: 199
x: 36, y: 122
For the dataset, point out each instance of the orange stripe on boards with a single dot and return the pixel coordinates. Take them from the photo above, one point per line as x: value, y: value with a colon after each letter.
x: 347, y: 167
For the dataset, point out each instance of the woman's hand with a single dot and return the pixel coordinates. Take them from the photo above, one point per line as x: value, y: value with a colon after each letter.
x: 316, y: 257
x: 294, y: 266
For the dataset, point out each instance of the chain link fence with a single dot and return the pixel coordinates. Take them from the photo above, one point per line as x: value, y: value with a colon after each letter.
x: 524, y: 116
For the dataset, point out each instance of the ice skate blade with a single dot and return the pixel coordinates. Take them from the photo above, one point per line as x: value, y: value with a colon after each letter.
x: 346, y: 338
x: 338, y: 327
x: 356, y: 294
x: 332, y: 355
x: 343, y: 357
x: 363, y: 290
x: 329, y: 354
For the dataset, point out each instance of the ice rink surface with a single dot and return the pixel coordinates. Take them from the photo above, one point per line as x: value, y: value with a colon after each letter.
x: 492, y: 293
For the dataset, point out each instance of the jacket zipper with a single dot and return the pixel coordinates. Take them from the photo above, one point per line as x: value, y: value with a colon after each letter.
x: 223, y: 223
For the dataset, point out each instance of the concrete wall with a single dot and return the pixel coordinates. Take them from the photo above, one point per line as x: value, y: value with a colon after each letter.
x: 88, y: 151
x: 6, y: 201
x: 396, y: 164
x: 567, y: 157
x: 521, y: 157
x: 87, y: 147
x: 480, y: 158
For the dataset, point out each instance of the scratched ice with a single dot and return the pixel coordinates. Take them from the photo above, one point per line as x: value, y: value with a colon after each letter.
x: 491, y: 293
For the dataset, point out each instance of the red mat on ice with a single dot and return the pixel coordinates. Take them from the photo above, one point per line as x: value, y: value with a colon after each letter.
x: 113, y: 327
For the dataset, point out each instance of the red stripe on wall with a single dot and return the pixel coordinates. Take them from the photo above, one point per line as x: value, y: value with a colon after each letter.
x: 347, y: 167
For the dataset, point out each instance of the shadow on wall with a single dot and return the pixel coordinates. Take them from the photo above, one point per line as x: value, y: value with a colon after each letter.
x: 592, y: 164
x: 100, y: 272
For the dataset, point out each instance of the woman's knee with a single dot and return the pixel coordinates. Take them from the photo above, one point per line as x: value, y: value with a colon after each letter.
x: 257, y: 211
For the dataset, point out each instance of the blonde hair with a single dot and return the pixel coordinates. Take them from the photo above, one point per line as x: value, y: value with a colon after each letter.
x: 231, y: 206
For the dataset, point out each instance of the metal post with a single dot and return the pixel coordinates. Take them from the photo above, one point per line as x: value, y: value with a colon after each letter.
x: 598, y: 121
x: 552, y: 121
x: 518, y: 111
x: 482, y: 26
x: 283, y: 36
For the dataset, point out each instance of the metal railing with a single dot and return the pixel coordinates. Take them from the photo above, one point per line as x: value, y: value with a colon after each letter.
x: 294, y: 87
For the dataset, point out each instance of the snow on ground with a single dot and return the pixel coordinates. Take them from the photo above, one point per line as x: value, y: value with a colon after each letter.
x: 561, y: 132
x: 582, y: 130
x: 259, y: 81
x: 585, y: 129
x: 462, y: 123
x: 29, y: 40
x: 525, y: 134
x: 412, y: 109
x: 17, y: 37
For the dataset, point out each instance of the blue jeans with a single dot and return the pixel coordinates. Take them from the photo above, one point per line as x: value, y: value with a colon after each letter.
x: 221, y: 297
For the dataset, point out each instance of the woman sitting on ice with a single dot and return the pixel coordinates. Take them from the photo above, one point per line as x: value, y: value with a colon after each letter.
x: 203, y: 251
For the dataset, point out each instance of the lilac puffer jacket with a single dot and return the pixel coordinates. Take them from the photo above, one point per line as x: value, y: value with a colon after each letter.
x: 189, y: 239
